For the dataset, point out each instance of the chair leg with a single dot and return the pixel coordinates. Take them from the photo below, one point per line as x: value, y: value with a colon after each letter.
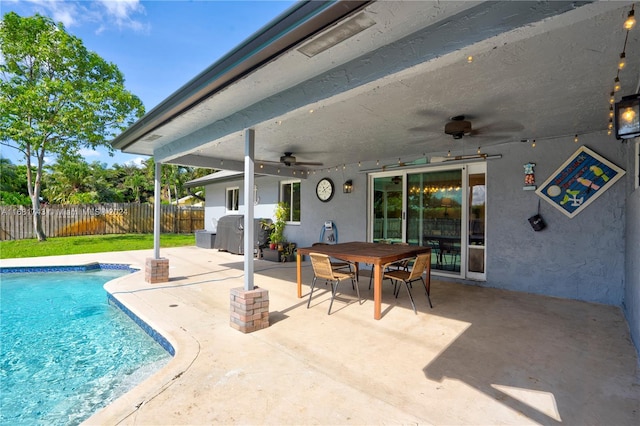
x: 334, y: 288
x: 406, y: 284
x: 355, y: 282
x: 313, y: 284
x: 426, y: 291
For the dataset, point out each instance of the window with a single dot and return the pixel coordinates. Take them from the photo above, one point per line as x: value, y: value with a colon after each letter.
x: 233, y: 195
x: 290, y: 194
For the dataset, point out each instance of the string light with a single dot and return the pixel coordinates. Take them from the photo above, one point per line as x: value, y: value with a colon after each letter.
x: 575, y: 139
x: 533, y: 144
x: 630, y: 22
x: 478, y: 150
x: 469, y: 59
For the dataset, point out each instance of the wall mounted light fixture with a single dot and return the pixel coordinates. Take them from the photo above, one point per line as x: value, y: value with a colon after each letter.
x: 627, y: 117
x: 347, y: 187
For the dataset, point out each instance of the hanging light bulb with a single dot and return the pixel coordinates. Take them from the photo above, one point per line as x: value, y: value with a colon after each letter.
x: 575, y: 138
x: 478, y: 150
x: 628, y: 115
x: 612, y: 98
x: 533, y: 144
x: 610, y: 126
x: 610, y: 111
x: 449, y: 153
x: 616, y: 84
x: 623, y: 61
x: 630, y: 22
x: 609, y: 132
x: 469, y: 59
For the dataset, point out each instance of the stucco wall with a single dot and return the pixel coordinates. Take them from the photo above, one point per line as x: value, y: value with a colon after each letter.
x: 579, y: 258
x: 631, y: 304
x: 215, y: 196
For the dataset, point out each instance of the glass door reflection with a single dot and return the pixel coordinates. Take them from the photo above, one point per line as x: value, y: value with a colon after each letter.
x: 434, y: 216
x: 387, y: 209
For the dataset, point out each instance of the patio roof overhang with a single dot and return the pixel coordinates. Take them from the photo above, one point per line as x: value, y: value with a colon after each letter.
x: 397, y: 73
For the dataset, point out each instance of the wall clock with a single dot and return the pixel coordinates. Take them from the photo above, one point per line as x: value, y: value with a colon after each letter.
x: 324, y: 189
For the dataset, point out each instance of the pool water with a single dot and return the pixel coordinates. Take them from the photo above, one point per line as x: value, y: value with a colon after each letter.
x: 65, y: 351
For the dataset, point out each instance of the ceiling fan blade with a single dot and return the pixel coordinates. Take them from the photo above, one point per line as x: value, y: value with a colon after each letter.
x: 495, y: 128
x: 307, y: 163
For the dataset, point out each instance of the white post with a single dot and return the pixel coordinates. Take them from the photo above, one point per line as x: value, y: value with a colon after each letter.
x: 249, y: 237
x: 156, y: 211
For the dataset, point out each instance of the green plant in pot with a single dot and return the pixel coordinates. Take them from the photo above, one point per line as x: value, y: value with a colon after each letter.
x: 277, y: 233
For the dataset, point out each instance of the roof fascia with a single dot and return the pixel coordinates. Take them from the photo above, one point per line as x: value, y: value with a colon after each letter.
x: 298, y: 23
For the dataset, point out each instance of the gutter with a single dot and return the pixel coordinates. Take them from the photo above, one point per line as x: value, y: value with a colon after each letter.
x: 300, y: 22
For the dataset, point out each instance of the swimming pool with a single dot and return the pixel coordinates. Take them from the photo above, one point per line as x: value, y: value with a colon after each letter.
x: 66, y: 352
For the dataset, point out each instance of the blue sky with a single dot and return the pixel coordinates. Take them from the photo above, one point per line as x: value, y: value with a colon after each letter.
x: 158, y: 45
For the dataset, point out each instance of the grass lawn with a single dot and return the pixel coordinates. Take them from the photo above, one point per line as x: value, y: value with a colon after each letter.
x: 90, y: 244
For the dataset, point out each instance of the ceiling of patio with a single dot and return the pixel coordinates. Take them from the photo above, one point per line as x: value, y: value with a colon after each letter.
x: 539, y: 71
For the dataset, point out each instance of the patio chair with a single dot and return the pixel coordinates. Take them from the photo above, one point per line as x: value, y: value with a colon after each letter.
x: 337, y: 265
x: 402, y: 264
x: 421, y: 264
x: 322, y: 269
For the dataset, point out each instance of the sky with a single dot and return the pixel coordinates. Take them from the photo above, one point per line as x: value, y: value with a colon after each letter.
x: 158, y: 45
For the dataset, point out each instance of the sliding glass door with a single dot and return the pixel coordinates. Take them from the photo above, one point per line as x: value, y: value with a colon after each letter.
x: 434, y: 216
x: 443, y: 208
x: 388, y: 202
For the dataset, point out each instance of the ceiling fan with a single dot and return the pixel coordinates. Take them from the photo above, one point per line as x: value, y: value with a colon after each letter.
x: 288, y: 159
x: 458, y: 127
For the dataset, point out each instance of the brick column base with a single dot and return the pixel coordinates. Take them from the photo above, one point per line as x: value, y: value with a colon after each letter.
x: 156, y: 270
x: 249, y: 309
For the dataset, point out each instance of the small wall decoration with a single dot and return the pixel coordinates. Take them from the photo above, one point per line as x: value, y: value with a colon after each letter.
x: 579, y: 181
x: 529, y: 177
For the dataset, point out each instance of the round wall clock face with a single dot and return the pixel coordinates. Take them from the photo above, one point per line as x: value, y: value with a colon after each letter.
x: 324, y: 190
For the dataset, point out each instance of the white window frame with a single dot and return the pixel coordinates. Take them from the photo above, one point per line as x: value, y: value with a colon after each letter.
x: 290, y: 182
x: 235, y: 194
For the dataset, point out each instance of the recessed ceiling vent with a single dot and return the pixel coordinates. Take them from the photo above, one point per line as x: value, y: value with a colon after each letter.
x: 151, y: 138
x: 337, y: 35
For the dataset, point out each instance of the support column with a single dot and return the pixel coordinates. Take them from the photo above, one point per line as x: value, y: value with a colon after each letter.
x: 249, y: 309
x: 156, y: 269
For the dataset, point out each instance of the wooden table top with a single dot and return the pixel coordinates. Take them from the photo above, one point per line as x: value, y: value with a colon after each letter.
x: 375, y: 253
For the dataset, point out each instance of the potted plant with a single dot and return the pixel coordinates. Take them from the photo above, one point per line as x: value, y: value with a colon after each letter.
x: 277, y: 232
x: 289, y: 252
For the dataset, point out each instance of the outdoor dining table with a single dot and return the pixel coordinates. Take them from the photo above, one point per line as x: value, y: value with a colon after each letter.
x: 373, y: 253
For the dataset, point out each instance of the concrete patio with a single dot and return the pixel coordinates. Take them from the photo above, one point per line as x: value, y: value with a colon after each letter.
x: 480, y: 356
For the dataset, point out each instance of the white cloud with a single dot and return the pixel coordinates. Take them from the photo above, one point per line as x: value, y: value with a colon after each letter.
x: 86, y: 152
x: 136, y: 162
x: 122, y: 12
x: 104, y: 14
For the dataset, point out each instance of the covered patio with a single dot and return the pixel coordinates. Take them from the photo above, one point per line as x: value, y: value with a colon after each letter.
x: 480, y: 356
x: 363, y: 92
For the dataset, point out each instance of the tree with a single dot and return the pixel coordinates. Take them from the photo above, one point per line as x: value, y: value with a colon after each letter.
x: 56, y: 96
x: 12, y: 190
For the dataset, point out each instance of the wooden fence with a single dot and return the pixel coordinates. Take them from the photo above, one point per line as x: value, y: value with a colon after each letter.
x: 16, y: 223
